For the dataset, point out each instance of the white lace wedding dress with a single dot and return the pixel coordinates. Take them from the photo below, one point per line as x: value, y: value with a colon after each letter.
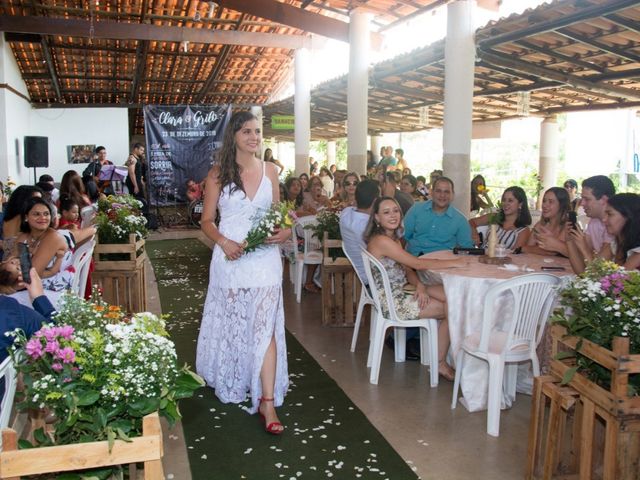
x: 243, y: 309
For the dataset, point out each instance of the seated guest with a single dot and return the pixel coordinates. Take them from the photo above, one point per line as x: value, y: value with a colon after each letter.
x: 549, y: 234
x: 14, y: 315
x: 390, y: 189
x: 293, y: 188
x: 47, y: 189
x: 304, y: 181
x: 571, y: 186
x: 382, y: 235
x: 326, y: 177
x: 514, y: 220
x: 621, y: 219
x: 346, y: 197
x: 422, y: 187
x: 595, y: 241
x: 55, y: 193
x: 353, y: 221
x: 409, y: 185
x: 480, y: 199
x: 71, y: 186
x: 314, y: 199
x: 436, y: 224
x: 69, y: 214
x: 338, y: 183
x: 12, y: 216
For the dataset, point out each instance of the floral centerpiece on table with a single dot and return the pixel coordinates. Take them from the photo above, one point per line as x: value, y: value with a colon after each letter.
x: 99, y: 372
x: 118, y: 217
x: 598, y: 305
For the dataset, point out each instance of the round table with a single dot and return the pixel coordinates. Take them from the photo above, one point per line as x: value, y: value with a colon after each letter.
x: 466, y: 288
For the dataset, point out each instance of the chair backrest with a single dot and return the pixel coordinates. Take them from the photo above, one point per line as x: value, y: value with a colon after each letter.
x: 363, y: 281
x: 81, y: 260
x: 8, y: 373
x: 311, y: 243
x: 383, y: 304
x: 533, y: 296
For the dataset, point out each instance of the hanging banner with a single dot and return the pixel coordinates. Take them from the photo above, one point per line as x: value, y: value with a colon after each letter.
x: 181, y: 146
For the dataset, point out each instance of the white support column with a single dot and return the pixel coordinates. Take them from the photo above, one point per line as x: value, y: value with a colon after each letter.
x: 376, y: 145
x: 358, y: 91
x: 548, y: 155
x: 459, y: 55
x: 331, y: 152
x: 302, y: 110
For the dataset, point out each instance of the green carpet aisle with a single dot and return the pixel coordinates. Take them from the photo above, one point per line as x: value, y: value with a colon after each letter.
x: 326, y: 436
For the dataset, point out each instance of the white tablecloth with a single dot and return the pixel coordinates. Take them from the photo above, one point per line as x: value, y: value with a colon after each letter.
x: 465, y: 288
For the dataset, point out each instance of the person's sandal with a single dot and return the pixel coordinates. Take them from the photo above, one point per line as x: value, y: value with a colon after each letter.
x: 311, y: 288
x: 274, y: 428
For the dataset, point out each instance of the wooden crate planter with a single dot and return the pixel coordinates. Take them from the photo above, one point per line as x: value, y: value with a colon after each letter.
x: 606, y: 423
x: 340, y: 288
x: 123, y: 282
x: 65, y: 458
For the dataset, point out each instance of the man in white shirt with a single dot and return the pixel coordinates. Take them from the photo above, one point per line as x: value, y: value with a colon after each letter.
x: 354, y: 220
x: 595, y: 241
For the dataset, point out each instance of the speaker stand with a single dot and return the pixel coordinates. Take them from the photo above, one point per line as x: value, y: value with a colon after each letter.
x: 35, y: 176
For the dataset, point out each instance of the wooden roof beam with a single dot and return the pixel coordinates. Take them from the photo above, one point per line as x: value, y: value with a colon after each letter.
x: 561, y: 57
x: 134, y: 31
x: 549, y: 74
x: 618, y: 52
x: 286, y: 14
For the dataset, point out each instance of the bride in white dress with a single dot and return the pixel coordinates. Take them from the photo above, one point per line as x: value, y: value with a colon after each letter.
x: 241, y: 346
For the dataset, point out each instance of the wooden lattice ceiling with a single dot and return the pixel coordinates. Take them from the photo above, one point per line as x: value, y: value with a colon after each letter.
x: 564, y: 56
x: 129, y: 53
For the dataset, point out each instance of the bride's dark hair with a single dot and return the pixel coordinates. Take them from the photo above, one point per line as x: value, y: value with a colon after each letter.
x: 229, y: 169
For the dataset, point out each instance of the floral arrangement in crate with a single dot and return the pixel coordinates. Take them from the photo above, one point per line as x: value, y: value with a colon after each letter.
x: 99, y: 372
x: 118, y: 217
x: 598, y: 305
x: 328, y: 220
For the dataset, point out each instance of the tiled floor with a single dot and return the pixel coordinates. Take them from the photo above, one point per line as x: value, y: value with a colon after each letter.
x: 417, y: 420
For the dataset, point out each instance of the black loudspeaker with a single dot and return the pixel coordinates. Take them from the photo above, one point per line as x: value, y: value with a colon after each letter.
x: 36, y: 152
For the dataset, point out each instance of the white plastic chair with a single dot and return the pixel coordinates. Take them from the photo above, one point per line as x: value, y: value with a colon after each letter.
x: 8, y: 372
x: 382, y: 323
x: 81, y: 261
x: 365, y: 299
x: 533, y: 296
x: 311, y: 254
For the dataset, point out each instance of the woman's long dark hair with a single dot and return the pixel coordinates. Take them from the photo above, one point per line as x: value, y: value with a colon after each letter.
x: 17, y: 200
x: 563, y: 199
x: 229, y: 168
x: 374, y: 228
x: 32, y: 202
x: 524, y: 216
x: 71, y: 186
x: 627, y: 205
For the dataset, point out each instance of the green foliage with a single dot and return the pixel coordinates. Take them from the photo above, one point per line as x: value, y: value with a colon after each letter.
x: 118, y: 217
x: 99, y: 372
x: 598, y: 305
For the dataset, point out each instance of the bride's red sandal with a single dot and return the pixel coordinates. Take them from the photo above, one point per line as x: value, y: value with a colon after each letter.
x: 274, y: 428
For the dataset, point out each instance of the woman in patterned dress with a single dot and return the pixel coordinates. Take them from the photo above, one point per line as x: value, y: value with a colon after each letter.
x: 382, y: 236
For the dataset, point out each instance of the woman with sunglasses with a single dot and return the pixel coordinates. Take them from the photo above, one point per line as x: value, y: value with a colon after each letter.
x: 347, y: 195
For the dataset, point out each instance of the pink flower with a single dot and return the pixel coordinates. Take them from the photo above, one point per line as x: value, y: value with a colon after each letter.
x: 49, y: 333
x: 52, y: 347
x: 34, y: 348
x: 67, y: 355
x: 57, y: 366
x: 65, y: 331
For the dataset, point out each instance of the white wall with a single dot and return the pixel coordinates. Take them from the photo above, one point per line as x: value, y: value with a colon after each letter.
x: 14, y: 117
x: 80, y: 126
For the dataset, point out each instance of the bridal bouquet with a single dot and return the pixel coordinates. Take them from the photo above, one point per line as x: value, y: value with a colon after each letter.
x: 279, y: 216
